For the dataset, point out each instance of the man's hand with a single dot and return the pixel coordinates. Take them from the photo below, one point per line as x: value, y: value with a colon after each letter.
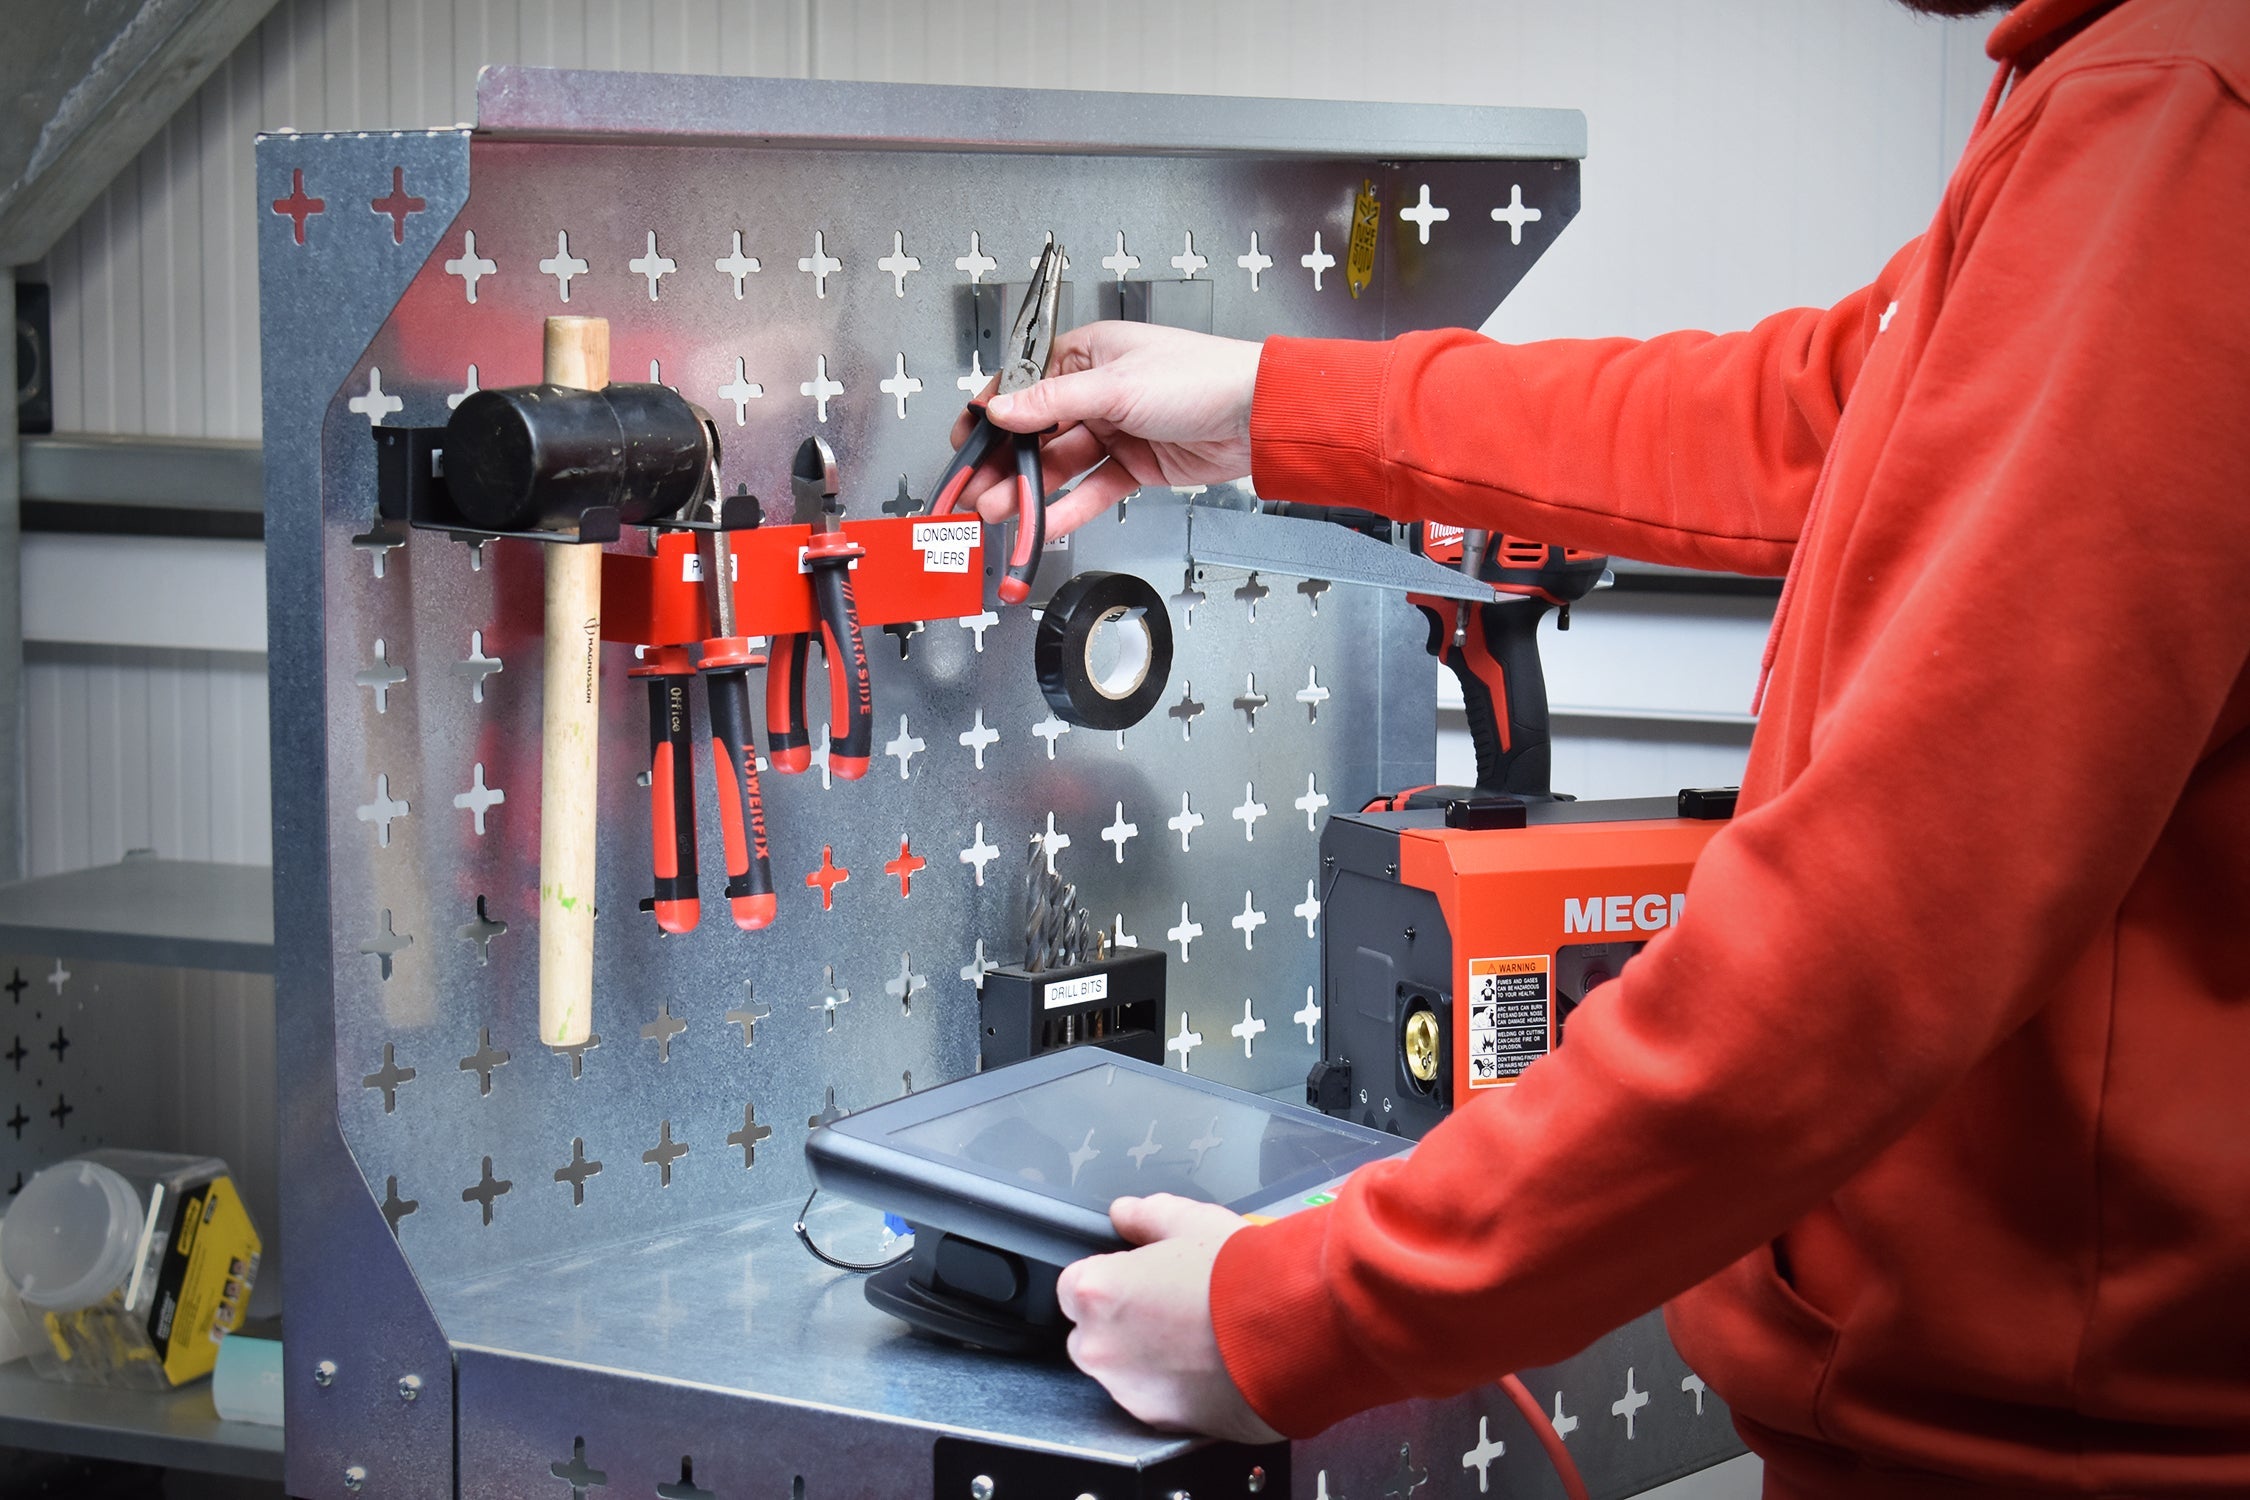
x: 1161, y: 405
x: 1144, y: 1319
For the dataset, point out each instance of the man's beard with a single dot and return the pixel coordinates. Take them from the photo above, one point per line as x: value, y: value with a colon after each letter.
x: 1958, y: 9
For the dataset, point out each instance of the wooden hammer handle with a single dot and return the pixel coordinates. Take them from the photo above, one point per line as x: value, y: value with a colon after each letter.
x: 577, y: 354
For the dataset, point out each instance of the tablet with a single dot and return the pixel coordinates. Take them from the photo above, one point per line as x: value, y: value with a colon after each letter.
x: 1028, y: 1157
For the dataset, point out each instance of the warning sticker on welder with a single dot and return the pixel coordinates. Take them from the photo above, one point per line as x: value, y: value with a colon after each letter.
x: 1511, y: 1014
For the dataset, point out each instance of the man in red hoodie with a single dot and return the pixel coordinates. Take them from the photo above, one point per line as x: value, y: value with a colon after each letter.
x: 1932, y: 1118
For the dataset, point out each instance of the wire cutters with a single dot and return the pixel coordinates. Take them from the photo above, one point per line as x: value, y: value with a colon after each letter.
x: 1029, y: 341
x: 851, y: 708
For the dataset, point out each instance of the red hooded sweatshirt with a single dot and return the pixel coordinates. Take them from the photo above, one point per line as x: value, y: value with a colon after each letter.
x: 1932, y: 1117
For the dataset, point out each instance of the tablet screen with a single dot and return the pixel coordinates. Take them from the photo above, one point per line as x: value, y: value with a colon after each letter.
x: 1106, y: 1132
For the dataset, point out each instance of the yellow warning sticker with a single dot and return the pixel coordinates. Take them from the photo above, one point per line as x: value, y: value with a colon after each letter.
x: 1367, y: 219
x: 1511, y: 1017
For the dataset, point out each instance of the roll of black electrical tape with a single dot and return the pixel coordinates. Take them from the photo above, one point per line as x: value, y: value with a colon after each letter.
x: 1104, y: 650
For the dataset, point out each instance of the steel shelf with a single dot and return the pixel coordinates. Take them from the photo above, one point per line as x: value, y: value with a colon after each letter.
x: 174, y: 1429
x: 178, y: 913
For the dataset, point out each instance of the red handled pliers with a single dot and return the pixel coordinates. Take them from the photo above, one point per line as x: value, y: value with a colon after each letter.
x: 1029, y: 342
x: 851, y: 707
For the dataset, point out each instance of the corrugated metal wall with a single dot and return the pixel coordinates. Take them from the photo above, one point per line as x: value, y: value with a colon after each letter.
x: 1745, y: 154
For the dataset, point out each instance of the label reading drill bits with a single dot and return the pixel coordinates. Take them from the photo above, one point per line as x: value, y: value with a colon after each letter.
x: 1080, y: 991
x: 1511, y: 1009
x: 945, y: 545
x: 1359, y: 260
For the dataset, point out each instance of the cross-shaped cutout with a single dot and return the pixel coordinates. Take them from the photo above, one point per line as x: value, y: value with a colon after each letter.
x: 1249, y: 812
x: 15, y: 987
x: 661, y: 1030
x: 977, y: 625
x: 904, y: 867
x: 1119, y: 261
x: 1247, y: 921
x: 1256, y: 262
x: 1051, y: 729
x: 1187, y: 262
x: 1187, y: 710
x: 396, y: 1208
x: 979, y: 854
x: 1033, y: 263
x: 1312, y: 589
x: 476, y: 666
x: 1425, y: 213
x: 904, y: 748
x: 820, y: 265
x: 1250, y: 700
x: 1312, y: 802
x: 1318, y: 261
x: 828, y: 1114
x: 577, y: 1171
x: 1119, y: 831
x: 298, y: 207
x: 741, y: 390
x: 751, y: 1012
x: 382, y: 677
x: 1309, y: 1016
x: 687, y: 1488
x: 388, y: 1077
x: 17, y: 1121
x: 486, y: 1190
x: 470, y: 266
x: 1184, y: 1041
x: 1187, y: 932
x: 833, y: 996
x: 1515, y: 215
x: 16, y: 1054
x: 1408, y: 1479
x: 482, y: 1061
x: 665, y: 1152
x: 375, y: 403
x: 479, y: 799
x: 562, y: 265
x: 829, y: 876
x: 62, y: 1111
x: 976, y: 262
x: 576, y: 1052
x: 749, y: 1135
x: 1186, y: 823
x: 898, y: 265
x: 978, y: 966
x: 736, y: 265
x: 383, y: 810
x: 974, y: 381
x: 1481, y: 1456
x: 903, y: 503
x: 1118, y: 936
x: 1247, y: 1029
x: 386, y: 943
x: 1629, y: 1405
x: 1312, y: 695
x: 820, y: 387
x: 57, y: 977
x: 379, y: 541
x: 576, y: 1474
x: 1692, y: 1384
x: 1251, y: 591
x: 59, y: 1045
x: 820, y: 760
x: 453, y: 402
x: 652, y: 265
x: 398, y: 203
x: 1142, y: 1152
x: 1564, y: 1426
x: 479, y: 931
x: 906, y: 984
x: 1307, y: 910
x: 1051, y: 843
x: 899, y: 386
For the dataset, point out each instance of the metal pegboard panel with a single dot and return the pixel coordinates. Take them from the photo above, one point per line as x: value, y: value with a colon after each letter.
x: 568, y: 1217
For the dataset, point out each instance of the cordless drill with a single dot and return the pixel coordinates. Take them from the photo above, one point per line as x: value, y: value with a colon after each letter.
x: 1494, y: 650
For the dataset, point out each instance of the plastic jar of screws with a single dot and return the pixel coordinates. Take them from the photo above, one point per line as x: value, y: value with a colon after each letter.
x: 130, y: 1267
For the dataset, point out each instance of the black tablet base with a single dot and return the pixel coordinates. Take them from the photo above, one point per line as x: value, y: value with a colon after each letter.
x: 970, y: 1293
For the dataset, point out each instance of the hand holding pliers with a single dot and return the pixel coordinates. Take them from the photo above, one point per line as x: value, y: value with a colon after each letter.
x: 1030, y: 340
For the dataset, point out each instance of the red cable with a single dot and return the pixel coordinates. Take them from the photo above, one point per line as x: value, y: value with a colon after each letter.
x: 1549, y: 1439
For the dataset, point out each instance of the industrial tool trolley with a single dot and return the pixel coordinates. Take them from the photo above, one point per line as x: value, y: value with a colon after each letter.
x: 519, y: 1270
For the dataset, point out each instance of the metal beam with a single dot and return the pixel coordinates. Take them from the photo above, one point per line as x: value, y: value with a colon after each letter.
x: 87, y: 85
x: 11, y: 627
x: 102, y: 468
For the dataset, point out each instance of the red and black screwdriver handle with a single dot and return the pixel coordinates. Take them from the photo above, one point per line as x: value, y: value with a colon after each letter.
x: 1031, y: 497
x: 851, y: 705
x: 734, y: 763
x: 671, y: 785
